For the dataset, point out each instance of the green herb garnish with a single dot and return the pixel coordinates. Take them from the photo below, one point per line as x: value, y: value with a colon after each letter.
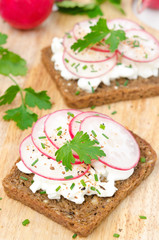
x: 93, y: 188
x: 66, y: 60
x: 68, y: 177
x: 77, y: 93
x: 11, y: 65
x: 35, y: 162
x: 143, y: 159
x: 59, y: 128
x: 97, y: 34
x: 77, y: 121
x: 114, y: 112
x: 43, y: 192
x: 43, y: 145
x: 96, y: 177
x: 58, y: 188
x: 83, y: 146
x: 0, y: 198
x: 117, y: 83
x: 43, y: 137
x: 85, y: 67
x: 25, y: 222
x: 102, y: 126
x: 24, y: 178
x: 93, y: 107
x: 105, y: 136
x: 142, y: 217
x: 72, y: 186
x: 70, y: 114
x: 116, y: 235
x: 94, y: 134
x: 59, y: 133
x: 98, y: 191
x: 126, y: 83
x: 74, y: 235
x: 136, y: 43
x: 83, y: 183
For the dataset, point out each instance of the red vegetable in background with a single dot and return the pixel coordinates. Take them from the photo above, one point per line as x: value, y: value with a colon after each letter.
x: 25, y: 14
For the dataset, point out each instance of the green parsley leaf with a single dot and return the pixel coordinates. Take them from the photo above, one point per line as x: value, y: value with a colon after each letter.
x: 3, y: 38
x: 22, y: 116
x: 117, y: 5
x: 98, y: 33
x: 39, y: 99
x: 83, y: 146
x: 9, y: 95
x: 11, y: 63
x: 25, y: 222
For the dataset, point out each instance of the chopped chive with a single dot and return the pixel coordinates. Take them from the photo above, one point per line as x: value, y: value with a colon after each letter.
x: 93, y: 188
x: 94, y: 134
x: 102, y: 126
x: 83, y: 183
x: 0, y: 198
x: 143, y: 159
x: 93, y: 70
x: 68, y: 35
x: 72, y: 186
x: 93, y: 107
x: 42, y: 137
x: 130, y: 66
x: 25, y: 222
x: 58, y: 188
x: 105, y: 136
x: 74, y: 235
x: 59, y: 133
x: 68, y: 177
x: 70, y: 114
x: 92, y: 88
x: 116, y: 235
x: 35, y: 162
x: 96, y: 177
x: 77, y: 93
x: 120, y: 26
x: 126, y: 82
x: 142, y: 217
x: 136, y: 43
x: 117, y: 83
x: 146, y: 55
x: 59, y: 128
x: 32, y: 181
x: 77, y: 121
x: 119, y: 63
x: 43, y: 192
x: 114, y: 112
x: 98, y: 191
x: 76, y: 67
x: 73, y: 64
x: 0, y: 208
x: 66, y: 60
x: 96, y: 141
x: 24, y: 178
x: 43, y: 146
x: 109, y: 107
x: 66, y: 169
x: 85, y: 67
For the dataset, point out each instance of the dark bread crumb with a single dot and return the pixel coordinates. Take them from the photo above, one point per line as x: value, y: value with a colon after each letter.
x: 135, y: 89
x: 79, y: 218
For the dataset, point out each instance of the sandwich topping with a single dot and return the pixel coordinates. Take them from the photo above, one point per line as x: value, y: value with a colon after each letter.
x: 87, y: 157
x: 97, y: 52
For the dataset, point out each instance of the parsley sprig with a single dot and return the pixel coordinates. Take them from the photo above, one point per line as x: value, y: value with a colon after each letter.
x: 11, y: 65
x: 97, y: 34
x: 83, y: 146
x: 92, y: 9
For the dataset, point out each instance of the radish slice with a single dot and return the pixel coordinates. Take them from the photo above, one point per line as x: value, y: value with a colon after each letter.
x: 56, y: 126
x: 88, y: 70
x: 47, y: 168
x: 74, y: 125
x: 121, y: 149
x: 122, y: 24
x: 87, y: 55
x: 40, y: 140
x: 140, y: 46
x: 82, y: 28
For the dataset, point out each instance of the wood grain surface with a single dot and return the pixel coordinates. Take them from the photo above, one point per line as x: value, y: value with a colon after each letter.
x: 141, y: 116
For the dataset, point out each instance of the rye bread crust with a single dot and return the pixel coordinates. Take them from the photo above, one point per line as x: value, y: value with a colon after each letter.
x: 135, y: 89
x: 79, y: 218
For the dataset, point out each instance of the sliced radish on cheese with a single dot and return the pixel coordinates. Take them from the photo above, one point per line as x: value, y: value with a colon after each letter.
x: 39, y: 164
x: 140, y: 46
x: 56, y: 126
x: 40, y: 140
x: 82, y: 28
x: 74, y: 125
x: 86, y: 69
x: 121, y: 149
x: 87, y: 55
x: 122, y: 24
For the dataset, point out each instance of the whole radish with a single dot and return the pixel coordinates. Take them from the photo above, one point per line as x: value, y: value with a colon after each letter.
x: 25, y: 14
x: 143, y: 4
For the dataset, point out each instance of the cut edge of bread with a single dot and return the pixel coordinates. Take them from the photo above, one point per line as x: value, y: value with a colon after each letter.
x: 79, y: 218
x: 135, y: 89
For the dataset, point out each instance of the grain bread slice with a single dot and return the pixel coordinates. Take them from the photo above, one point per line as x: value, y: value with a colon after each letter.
x: 135, y: 89
x: 79, y: 218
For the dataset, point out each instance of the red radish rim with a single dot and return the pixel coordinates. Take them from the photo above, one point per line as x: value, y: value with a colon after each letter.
x: 129, y: 134
x: 115, y: 55
x: 56, y: 179
x: 138, y: 60
x: 73, y: 119
x: 75, y: 156
x: 127, y: 20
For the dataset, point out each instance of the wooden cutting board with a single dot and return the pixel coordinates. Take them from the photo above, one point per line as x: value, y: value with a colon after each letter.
x: 141, y: 116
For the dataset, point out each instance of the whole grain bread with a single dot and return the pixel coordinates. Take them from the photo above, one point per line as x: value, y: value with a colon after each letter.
x: 135, y: 89
x: 79, y: 218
